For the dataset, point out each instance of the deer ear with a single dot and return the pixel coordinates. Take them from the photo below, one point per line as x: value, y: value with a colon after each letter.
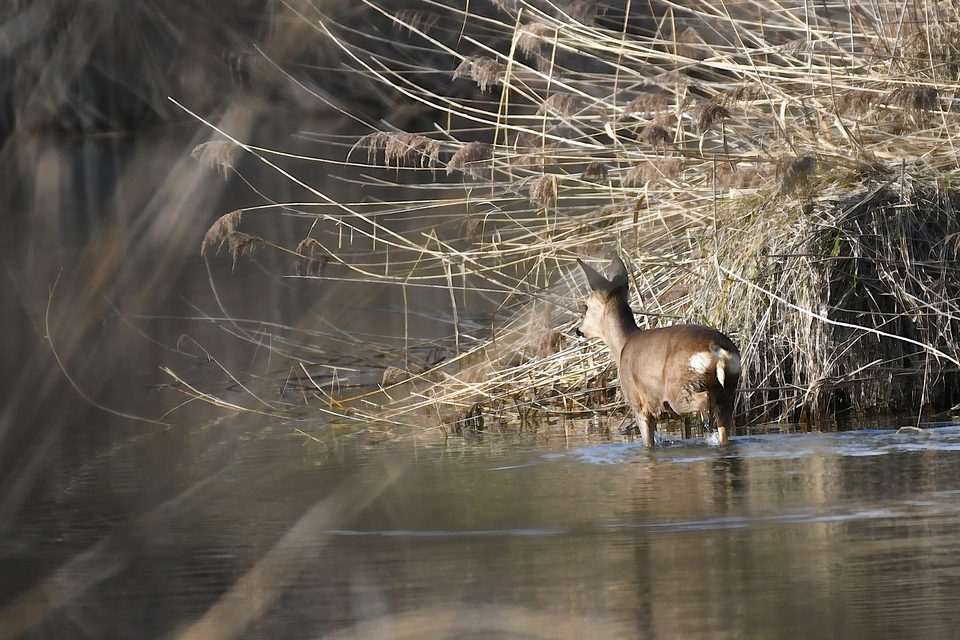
x: 617, y: 268
x: 619, y: 279
x: 597, y: 281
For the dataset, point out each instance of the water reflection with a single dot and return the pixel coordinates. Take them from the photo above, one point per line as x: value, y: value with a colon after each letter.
x: 507, y: 536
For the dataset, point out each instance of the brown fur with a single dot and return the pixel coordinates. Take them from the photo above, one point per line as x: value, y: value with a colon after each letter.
x: 682, y: 369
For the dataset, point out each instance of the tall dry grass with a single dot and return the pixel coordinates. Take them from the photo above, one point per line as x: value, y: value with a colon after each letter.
x: 784, y: 171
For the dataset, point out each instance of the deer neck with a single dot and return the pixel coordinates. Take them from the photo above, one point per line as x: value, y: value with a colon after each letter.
x: 619, y: 326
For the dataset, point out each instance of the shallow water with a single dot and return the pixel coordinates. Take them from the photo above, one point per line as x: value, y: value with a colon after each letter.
x: 218, y: 526
x: 819, y: 535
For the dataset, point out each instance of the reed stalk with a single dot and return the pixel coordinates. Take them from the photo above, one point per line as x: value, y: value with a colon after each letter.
x: 783, y: 171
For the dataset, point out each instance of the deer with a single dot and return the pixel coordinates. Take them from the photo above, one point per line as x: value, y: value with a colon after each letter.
x: 680, y: 369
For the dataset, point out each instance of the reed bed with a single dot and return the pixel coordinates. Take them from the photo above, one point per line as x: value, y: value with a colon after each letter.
x: 784, y: 171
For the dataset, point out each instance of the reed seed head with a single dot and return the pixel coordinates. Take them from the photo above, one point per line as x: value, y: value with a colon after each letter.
x: 219, y: 230
x: 311, y: 258
x: 530, y: 38
x: 217, y: 154
x: 656, y: 135
x: 709, y: 114
x: 647, y: 104
x: 468, y: 157
x: 543, y: 190
x: 596, y: 170
x: 486, y: 72
x: 560, y: 104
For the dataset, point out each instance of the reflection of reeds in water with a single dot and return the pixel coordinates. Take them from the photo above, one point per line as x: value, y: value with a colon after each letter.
x: 791, y: 186
x: 247, y: 600
x: 501, y: 621
x: 253, y: 594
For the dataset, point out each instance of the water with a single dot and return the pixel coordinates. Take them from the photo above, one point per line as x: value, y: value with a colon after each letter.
x: 821, y: 535
x: 223, y: 526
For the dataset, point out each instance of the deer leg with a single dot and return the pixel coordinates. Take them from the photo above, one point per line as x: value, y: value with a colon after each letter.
x: 647, y: 425
x: 712, y: 424
x: 717, y: 416
x: 706, y: 414
x: 725, y: 426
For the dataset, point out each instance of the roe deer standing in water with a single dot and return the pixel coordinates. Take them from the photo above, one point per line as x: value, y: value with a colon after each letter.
x: 685, y: 368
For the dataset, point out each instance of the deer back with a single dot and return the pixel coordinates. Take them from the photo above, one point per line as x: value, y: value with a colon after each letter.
x: 671, y: 367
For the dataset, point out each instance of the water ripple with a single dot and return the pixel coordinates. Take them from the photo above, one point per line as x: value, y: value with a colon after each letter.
x: 853, y: 444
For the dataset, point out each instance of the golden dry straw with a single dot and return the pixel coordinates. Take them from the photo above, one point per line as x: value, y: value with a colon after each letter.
x: 785, y: 173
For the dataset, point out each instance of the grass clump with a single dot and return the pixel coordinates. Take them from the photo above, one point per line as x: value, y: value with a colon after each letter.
x: 790, y: 180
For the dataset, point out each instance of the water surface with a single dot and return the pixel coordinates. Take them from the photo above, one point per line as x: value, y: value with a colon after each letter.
x: 796, y: 535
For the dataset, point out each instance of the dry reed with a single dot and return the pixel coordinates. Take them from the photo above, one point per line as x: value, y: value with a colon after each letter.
x: 221, y: 230
x: 469, y: 159
x: 486, y: 72
x: 311, y: 258
x: 218, y: 154
x: 795, y: 186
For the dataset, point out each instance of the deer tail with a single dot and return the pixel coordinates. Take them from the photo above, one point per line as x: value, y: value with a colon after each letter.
x: 728, y: 362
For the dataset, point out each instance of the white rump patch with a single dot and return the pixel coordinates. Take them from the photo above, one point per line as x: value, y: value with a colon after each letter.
x: 724, y: 361
x: 701, y: 361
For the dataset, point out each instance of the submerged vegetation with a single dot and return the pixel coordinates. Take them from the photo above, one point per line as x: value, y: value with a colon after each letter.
x: 783, y: 171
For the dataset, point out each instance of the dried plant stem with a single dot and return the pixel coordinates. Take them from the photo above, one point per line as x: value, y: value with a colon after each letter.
x: 761, y: 172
